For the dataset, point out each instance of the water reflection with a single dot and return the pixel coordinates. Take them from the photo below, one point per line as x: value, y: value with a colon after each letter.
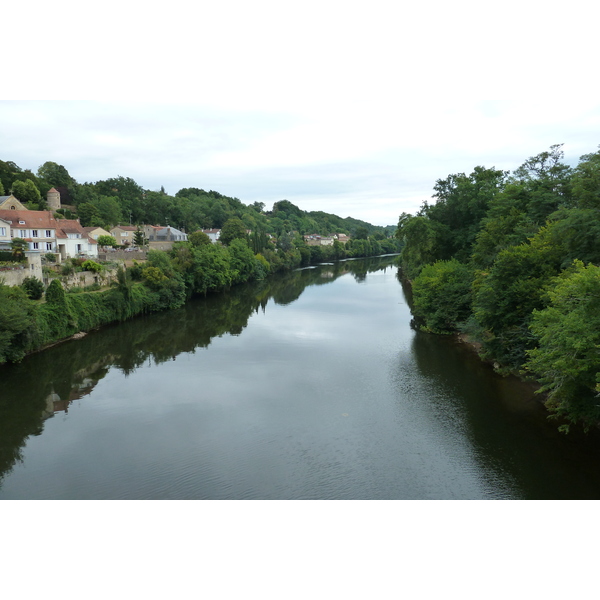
x: 327, y: 394
x: 47, y: 383
x: 518, y: 449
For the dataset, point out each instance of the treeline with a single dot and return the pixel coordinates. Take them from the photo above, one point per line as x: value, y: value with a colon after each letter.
x: 512, y: 260
x: 120, y: 200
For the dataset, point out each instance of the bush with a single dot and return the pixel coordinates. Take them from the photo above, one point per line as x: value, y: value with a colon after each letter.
x: 90, y: 265
x: 33, y: 287
x: 50, y: 257
x: 442, y: 296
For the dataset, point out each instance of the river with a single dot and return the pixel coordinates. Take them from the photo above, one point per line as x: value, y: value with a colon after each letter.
x: 309, y: 385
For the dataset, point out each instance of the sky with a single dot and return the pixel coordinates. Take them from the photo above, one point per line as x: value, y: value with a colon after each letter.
x: 353, y: 108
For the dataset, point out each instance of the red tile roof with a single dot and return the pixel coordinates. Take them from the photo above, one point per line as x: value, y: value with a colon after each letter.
x: 33, y: 219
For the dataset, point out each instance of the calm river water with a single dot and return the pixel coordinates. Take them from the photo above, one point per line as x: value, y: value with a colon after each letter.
x: 309, y: 386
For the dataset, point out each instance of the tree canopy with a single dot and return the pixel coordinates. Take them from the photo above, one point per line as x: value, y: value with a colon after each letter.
x: 512, y: 260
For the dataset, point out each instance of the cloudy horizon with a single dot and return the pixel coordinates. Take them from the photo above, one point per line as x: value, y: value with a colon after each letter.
x: 355, y: 110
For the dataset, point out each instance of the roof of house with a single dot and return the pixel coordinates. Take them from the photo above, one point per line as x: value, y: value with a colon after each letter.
x: 32, y: 219
x: 125, y: 227
x: 171, y: 229
x: 66, y: 226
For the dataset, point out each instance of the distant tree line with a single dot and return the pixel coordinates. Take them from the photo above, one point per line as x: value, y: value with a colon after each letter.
x: 120, y: 200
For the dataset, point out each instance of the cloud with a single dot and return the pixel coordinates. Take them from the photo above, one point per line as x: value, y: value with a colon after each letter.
x: 334, y: 106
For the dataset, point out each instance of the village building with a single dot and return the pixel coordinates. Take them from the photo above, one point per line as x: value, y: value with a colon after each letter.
x: 36, y: 227
x: 162, y: 237
x: 124, y: 234
x: 11, y: 203
x: 5, y: 235
x: 43, y: 233
x: 72, y: 240
x: 95, y: 232
x: 53, y: 199
x: 213, y: 234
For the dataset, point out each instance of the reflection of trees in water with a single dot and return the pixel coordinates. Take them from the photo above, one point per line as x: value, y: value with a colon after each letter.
x: 519, y: 449
x: 49, y: 381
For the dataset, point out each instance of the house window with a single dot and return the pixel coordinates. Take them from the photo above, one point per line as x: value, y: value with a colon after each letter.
x: 48, y: 233
x: 23, y: 233
x: 48, y: 245
x: 34, y: 233
x: 2, y: 230
x: 36, y: 246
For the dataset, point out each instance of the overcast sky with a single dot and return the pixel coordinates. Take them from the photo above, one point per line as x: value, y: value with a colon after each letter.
x: 354, y: 108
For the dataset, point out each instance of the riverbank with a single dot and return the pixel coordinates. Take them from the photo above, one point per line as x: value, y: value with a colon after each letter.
x: 165, y: 281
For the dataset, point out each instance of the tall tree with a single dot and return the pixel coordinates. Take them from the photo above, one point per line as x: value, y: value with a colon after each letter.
x: 26, y: 191
x: 55, y: 174
x: 567, y: 358
x: 232, y: 229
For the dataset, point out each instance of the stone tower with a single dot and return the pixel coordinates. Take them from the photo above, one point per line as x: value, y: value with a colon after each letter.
x: 53, y: 199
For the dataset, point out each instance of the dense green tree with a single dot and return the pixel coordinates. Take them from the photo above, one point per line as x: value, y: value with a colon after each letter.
x: 131, y: 196
x: 17, y: 319
x: 55, y: 174
x: 107, y: 240
x: 109, y: 210
x: 547, y: 183
x: 361, y: 233
x: 419, y: 236
x: 461, y: 204
x: 9, y: 172
x: 233, y: 229
x: 211, y: 270
x: 199, y: 238
x: 506, y: 296
x: 577, y: 232
x: 567, y: 356
x: 26, y: 191
x: 33, y: 287
x: 442, y: 296
x: 242, y: 262
x: 89, y: 215
x: 586, y: 181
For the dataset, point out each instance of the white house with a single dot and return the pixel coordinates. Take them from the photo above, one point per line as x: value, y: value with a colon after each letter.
x: 4, y: 235
x: 72, y: 240
x: 213, y: 234
x: 43, y: 233
x: 36, y: 227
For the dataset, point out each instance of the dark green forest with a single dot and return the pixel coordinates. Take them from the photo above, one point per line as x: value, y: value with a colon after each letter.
x: 512, y: 262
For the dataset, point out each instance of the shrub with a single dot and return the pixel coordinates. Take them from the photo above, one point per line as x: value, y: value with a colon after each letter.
x: 33, y: 287
x: 90, y: 265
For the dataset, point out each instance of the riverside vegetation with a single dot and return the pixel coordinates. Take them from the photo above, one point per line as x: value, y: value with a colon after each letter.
x: 167, y: 279
x: 512, y: 261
